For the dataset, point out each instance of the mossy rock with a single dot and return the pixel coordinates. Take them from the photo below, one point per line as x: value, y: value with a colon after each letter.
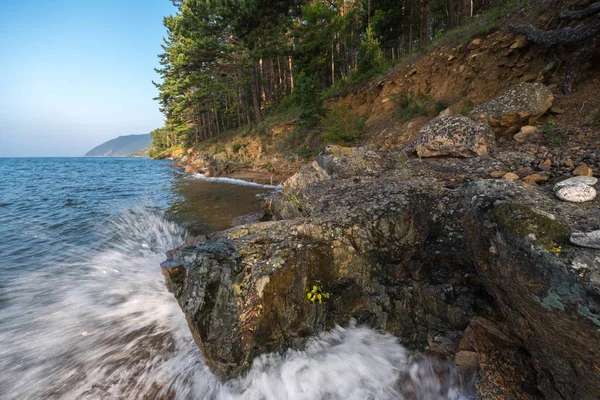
x: 520, y: 221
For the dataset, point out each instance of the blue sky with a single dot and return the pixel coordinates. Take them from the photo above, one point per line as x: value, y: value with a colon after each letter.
x: 76, y: 73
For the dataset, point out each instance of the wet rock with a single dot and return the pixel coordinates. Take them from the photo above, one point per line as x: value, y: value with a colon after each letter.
x: 453, y: 135
x: 520, y: 105
x: 404, y: 253
x: 579, y: 193
x: 582, y: 170
x: 577, y: 180
x: 587, y: 239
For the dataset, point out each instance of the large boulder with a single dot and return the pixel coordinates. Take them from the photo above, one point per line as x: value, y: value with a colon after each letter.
x: 483, y: 267
x: 454, y: 135
x: 520, y: 105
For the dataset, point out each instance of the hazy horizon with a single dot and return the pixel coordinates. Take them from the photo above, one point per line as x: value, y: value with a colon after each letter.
x: 77, y: 74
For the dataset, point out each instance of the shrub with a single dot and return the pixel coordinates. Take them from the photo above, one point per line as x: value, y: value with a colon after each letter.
x: 307, y: 94
x: 341, y: 127
x: 410, y: 107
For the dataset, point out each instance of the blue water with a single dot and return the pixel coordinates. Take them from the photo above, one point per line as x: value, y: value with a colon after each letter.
x: 84, y: 313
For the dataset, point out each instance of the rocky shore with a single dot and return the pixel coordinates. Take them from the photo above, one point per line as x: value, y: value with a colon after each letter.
x: 464, y: 249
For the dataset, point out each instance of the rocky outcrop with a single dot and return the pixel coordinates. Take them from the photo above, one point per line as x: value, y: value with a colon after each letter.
x: 454, y: 135
x: 520, y: 105
x: 480, y: 272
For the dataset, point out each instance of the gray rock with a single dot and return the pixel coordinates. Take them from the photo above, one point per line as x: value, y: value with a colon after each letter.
x: 454, y: 135
x: 520, y: 105
x: 586, y: 239
x: 578, y: 193
x: 584, y: 180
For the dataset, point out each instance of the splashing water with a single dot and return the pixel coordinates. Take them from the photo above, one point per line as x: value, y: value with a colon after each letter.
x: 107, y: 328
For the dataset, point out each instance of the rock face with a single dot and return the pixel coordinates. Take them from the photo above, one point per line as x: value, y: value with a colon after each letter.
x: 520, y: 105
x: 454, y: 135
x: 479, y: 272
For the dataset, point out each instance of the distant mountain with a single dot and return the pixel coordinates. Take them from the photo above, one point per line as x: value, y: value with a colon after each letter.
x: 123, y: 146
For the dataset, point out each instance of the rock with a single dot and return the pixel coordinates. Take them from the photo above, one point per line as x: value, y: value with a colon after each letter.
x: 546, y: 165
x: 520, y: 105
x: 583, y: 170
x: 497, y: 174
x: 347, y: 162
x: 467, y: 359
x: 578, y: 180
x: 424, y: 262
x: 587, y: 239
x: 578, y: 193
x: 568, y: 163
x: 444, y: 112
x: 453, y: 135
x: 511, y: 176
x: 527, y: 133
x: 523, y: 172
x: 475, y: 43
x: 519, y: 43
x: 534, y: 179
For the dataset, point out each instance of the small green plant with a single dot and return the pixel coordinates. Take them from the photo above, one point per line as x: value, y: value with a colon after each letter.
x: 219, y: 148
x: 466, y: 108
x: 236, y: 147
x: 440, y: 106
x: 595, y: 121
x: 409, y: 107
x: 552, y: 134
x: 315, y: 294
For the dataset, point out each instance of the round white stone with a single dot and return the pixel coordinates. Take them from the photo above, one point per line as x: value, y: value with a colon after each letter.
x: 576, y: 193
x: 584, y: 180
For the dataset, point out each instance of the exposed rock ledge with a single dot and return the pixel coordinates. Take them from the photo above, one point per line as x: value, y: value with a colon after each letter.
x: 479, y: 272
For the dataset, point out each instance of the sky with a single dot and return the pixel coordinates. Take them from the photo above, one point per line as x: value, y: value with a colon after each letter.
x: 76, y: 73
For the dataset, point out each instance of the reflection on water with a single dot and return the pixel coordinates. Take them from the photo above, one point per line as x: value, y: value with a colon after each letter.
x: 207, y: 206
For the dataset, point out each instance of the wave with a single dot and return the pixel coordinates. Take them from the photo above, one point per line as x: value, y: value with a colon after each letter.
x: 233, y: 181
x: 104, y: 327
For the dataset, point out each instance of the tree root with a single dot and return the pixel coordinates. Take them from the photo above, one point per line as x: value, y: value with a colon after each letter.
x: 567, y: 35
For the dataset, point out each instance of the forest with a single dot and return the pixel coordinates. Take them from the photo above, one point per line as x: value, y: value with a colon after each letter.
x: 228, y: 63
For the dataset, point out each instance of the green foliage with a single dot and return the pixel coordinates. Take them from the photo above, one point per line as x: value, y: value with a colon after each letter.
x: 410, y: 107
x: 466, y: 108
x: 369, y: 54
x: 315, y: 294
x: 440, y: 106
x: 308, y: 96
x: 219, y: 148
x: 236, y: 147
x: 553, y: 135
x: 595, y: 121
x: 341, y: 127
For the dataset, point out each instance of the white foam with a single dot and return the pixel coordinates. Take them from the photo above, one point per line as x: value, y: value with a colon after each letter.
x: 233, y: 181
x: 105, y: 327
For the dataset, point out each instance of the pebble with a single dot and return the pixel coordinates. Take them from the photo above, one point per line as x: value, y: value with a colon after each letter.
x: 511, y: 176
x: 497, y: 174
x: 587, y: 239
x: 535, y: 178
x: 582, y: 170
x: 576, y: 193
x: 578, y: 180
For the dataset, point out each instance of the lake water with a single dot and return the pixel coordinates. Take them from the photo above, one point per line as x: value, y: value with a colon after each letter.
x: 84, y: 313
